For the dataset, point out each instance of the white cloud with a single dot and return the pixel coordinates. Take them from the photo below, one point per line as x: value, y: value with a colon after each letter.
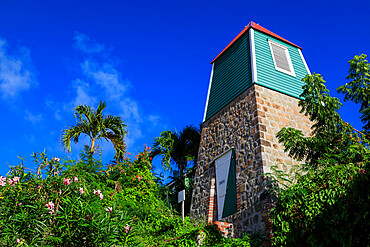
x: 130, y: 114
x: 106, y: 76
x: 15, y: 73
x: 33, y: 118
x: 101, y: 79
x: 55, y: 107
x: 130, y: 110
x: 58, y: 116
x: 83, y: 97
x: 134, y: 133
x: 86, y: 44
x: 154, y: 119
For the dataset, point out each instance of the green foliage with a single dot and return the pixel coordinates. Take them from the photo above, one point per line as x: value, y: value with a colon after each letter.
x: 331, y: 136
x: 97, y: 126
x: 83, y: 203
x: 177, y: 186
x: 327, y: 201
x: 178, y: 149
x: 57, y: 206
x: 357, y: 90
x: 209, y: 235
x: 324, y: 208
x: 80, y: 203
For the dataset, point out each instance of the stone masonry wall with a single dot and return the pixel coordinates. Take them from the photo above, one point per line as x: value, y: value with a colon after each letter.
x: 275, y: 111
x: 249, y: 124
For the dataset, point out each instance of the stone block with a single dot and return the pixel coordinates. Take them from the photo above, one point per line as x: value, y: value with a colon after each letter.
x: 276, y: 106
x: 261, y: 114
x: 265, y: 143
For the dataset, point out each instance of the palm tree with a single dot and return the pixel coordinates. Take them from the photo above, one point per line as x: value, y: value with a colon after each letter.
x: 177, y: 149
x: 97, y: 126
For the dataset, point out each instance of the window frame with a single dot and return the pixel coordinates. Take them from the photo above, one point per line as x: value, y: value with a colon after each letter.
x: 286, y: 50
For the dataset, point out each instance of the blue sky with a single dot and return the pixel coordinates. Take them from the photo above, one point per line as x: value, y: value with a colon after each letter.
x: 149, y: 60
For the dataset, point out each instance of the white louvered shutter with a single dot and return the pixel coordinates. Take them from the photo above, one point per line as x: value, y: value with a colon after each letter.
x: 281, y: 58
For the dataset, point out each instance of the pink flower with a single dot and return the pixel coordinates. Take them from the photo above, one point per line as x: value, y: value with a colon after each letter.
x: 50, y: 205
x: 363, y: 171
x: 109, y: 209
x: 2, y: 179
x: 67, y: 181
x: 18, y: 241
x: 20, y: 204
x: 127, y: 228
x: 51, y: 211
x: 75, y: 179
x: 98, y: 192
x: 139, y: 177
x: 10, y: 182
x: 2, y: 183
x: 16, y: 179
x: 55, y: 159
x: 81, y: 190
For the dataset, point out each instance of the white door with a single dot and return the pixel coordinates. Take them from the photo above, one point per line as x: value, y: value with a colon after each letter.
x: 222, y: 165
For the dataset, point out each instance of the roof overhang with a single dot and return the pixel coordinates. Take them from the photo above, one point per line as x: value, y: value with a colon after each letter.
x: 258, y: 28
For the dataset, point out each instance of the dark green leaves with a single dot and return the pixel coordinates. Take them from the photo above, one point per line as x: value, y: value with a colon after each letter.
x: 357, y: 90
x: 328, y: 206
x: 331, y: 137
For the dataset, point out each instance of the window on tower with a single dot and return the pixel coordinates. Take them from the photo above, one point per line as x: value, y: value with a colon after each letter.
x: 281, y: 58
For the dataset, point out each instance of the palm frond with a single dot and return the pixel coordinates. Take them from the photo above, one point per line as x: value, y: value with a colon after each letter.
x: 72, y: 134
x: 97, y: 126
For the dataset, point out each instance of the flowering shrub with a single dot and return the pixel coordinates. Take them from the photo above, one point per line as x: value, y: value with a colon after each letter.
x: 69, y: 203
x: 61, y: 205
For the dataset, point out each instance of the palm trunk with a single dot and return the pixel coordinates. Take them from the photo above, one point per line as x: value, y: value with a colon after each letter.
x: 182, y: 178
x: 92, y: 147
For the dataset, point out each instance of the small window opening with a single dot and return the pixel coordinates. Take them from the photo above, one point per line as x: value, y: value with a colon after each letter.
x: 281, y: 58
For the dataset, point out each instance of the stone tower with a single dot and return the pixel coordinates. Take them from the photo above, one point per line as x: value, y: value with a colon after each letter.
x: 253, y: 92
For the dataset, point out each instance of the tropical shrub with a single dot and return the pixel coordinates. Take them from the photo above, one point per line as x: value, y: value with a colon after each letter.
x: 60, y: 206
x: 82, y: 203
x: 327, y: 203
x: 325, y: 207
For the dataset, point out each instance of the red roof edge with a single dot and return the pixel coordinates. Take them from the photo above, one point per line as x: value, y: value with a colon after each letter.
x: 256, y: 27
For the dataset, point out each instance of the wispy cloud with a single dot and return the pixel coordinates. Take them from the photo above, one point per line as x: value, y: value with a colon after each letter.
x: 56, y: 112
x: 130, y: 110
x: 16, y: 74
x: 106, y: 76
x: 86, y: 44
x: 154, y: 119
x: 101, y: 79
x: 33, y: 118
x: 83, y: 96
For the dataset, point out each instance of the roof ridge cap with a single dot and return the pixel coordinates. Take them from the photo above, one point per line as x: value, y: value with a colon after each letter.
x: 258, y: 27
